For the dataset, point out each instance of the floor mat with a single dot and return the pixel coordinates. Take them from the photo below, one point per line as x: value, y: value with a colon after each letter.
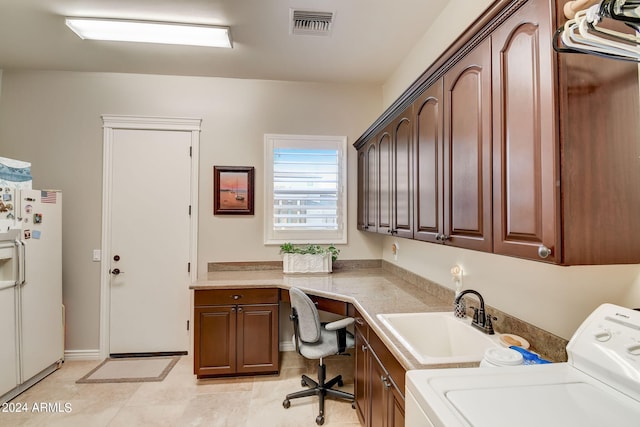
x: 131, y: 369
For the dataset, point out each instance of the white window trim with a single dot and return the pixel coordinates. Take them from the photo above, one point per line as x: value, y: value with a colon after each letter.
x: 276, y: 237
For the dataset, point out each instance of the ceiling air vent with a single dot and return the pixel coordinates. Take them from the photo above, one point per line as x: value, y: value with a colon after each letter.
x: 310, y: 22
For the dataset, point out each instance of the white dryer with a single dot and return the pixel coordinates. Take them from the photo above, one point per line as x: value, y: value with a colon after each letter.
x: 598, y: 386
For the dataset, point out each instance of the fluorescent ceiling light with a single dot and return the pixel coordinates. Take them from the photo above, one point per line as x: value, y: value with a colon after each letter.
x: 150, y: 32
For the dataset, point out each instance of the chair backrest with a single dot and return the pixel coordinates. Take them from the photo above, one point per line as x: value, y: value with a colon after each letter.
x: 309, y: 327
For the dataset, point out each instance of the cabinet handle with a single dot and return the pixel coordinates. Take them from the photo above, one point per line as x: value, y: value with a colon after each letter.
x: 239, y: 309
x: 364, y: 347
x: 359, y: 321
x: 233, y: 309
x: 386, y: 382
x: 442, y: 237
x: 543, y: 251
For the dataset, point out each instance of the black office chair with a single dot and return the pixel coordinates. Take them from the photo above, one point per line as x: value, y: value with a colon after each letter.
x: 314, y: 340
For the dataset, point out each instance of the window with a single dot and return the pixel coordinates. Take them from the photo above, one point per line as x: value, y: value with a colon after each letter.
x: 305, y: 189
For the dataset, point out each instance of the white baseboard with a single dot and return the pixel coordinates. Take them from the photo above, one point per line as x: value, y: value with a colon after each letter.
x: 287, y: 346
x: 82, y: 354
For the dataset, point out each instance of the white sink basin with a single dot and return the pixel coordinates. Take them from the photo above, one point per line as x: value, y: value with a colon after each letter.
x: 434, y: 338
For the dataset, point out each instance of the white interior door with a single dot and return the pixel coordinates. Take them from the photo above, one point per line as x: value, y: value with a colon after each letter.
x: 149, y: 240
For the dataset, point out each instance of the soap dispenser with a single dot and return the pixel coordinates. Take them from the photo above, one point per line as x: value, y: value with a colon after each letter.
x: 460, y: 308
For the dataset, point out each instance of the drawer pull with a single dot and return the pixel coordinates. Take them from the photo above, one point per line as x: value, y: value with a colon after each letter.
x: 236, y: 297
x: 385, y: 382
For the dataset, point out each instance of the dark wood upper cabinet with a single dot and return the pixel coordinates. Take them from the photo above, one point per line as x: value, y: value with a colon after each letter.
x: 367, y: 188
x: 362, y: 191
x: 600, y: 155
x: 428, y: 164
x: 525, y: 194
x: 371, y: 183
x: 467, y: 151
x: 385, y: 183
x: 403, y: 175
x: 515, y: 149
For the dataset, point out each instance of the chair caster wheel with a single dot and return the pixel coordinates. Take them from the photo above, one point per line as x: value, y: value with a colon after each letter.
x: 303, y: 383
x: 340, y: 383
x: 320, y: 420
x: 353, y: 405
x: 286, y: 403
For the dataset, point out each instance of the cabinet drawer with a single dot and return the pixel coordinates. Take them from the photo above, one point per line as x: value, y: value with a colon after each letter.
x: 330, y: 305
x: 236, y: 296
x: 322, y: 303
x: 360, y: 324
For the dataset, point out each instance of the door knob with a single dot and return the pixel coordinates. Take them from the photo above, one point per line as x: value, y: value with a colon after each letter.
x: 116, y: 271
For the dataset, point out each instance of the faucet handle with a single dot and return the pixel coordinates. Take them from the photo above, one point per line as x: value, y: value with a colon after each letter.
x: 475, y: 314
x: 489, y: 324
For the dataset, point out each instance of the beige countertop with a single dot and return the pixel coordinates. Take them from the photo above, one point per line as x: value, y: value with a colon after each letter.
x: 372, y: 291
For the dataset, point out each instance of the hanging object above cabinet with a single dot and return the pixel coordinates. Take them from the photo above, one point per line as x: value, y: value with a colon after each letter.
x: 597, y: 29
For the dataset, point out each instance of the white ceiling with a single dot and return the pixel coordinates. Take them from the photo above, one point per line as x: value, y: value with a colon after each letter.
x: 369, y: 39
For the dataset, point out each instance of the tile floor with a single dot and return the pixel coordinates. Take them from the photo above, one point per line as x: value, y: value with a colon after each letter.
x: 182, y: 400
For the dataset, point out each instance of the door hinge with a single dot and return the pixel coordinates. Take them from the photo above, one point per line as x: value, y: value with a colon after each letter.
x: 189, y: 210
x: 187, y: 325
x: 188, y: 267
x: 190, y: 151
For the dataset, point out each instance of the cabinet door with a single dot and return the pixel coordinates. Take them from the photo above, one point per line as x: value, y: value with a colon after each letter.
x: 257, y: 334
x: 524, y: 135
x: 367, y: 187
x: 385, y: 186
x: 395, y: 408
x: 361, y: 378
x: 428, y: 164
x: 362, y: 192
x: 215, y: 340
x: 379, y: 392
x: 402, y: 195
x: 467, y: 134
x: 371, y: 187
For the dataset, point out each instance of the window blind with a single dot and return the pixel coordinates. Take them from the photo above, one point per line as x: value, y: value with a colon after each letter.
x: 305, y: 189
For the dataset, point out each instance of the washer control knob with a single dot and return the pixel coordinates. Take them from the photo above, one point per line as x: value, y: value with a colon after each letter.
x: 633, y: 349
x: 602, y: 335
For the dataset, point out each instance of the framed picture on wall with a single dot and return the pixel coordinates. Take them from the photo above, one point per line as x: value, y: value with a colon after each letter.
x: 233, y: 188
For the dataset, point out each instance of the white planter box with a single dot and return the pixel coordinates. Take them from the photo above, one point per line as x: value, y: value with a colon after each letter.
x: 306, y: 263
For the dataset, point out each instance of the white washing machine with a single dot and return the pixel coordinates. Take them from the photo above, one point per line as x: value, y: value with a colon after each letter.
x: 599, y: 385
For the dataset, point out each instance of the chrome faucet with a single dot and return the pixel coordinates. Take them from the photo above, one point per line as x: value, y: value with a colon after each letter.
x: 480, y: 319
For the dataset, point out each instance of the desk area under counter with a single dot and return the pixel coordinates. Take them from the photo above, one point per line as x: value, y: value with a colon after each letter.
x: 369, y: 291
x: 222, y: 332
x: 244, y: 307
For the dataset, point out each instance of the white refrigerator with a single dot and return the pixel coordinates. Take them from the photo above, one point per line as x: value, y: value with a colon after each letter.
x: 31, y: 311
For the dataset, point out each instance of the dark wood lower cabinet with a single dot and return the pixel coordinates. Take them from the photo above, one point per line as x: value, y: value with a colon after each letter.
x: 236, y: 339
x: 379, y: 380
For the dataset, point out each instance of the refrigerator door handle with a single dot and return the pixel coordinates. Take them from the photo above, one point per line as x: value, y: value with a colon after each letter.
x: 21, y: 263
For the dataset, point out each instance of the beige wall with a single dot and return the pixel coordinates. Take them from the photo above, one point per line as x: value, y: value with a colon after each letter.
x: 451, y: 22
x: 554, y: 298
x: 52, y: 119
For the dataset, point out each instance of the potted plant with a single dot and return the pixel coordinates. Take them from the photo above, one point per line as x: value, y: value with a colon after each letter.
x: 308, y: 258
